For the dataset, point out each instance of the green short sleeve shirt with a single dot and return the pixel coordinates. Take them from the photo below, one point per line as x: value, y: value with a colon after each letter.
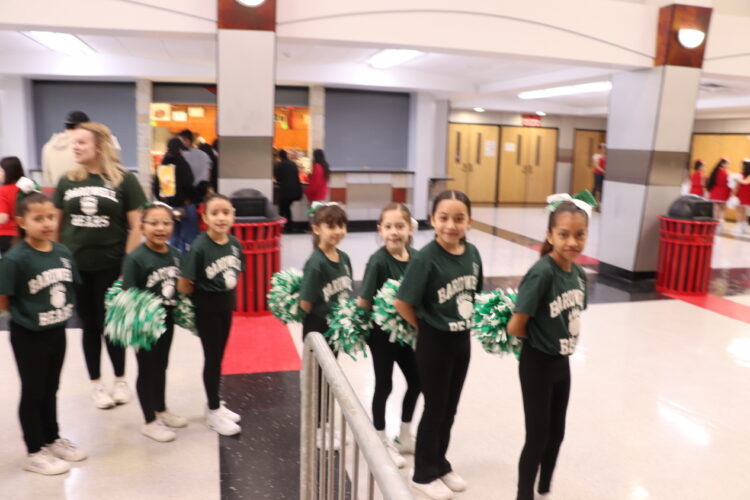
x: 554, y: 299
x: 441, y: 286
x: 95, y: 224
x: 213, y: 267
x: 40, y: 285
x: 382, y: 267
x: 155, y: 272
x: 325, y: 281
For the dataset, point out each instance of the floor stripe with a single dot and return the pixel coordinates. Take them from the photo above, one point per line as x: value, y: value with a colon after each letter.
x: 717, y: 304
x: 257, y: 345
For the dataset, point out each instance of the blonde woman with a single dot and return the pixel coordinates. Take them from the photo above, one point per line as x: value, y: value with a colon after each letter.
x: 98, y: 203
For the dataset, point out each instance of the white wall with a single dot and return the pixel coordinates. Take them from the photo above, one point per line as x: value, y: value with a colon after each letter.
x: 16, y: 120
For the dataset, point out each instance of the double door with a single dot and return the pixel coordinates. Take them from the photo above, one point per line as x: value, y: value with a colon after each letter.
x: 527, y: 164
x: 472, y: 160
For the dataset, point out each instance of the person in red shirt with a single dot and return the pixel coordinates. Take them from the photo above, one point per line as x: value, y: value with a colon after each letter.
x: 696, y: 179
x: 12, y: 170
x: 743, y: 193
x: 317, y: 189
x: 719, y: 191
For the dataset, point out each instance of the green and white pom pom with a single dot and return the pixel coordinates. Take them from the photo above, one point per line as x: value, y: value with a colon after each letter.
x: 492, y: 312
x: 111, y: 293
x: 348, y: 327
x: 283, y: 299
x: 135, y: 318
x: 184, y: 314
x: 390, y: 321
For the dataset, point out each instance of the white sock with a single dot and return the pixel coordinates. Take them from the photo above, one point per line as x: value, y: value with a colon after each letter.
x: 405, y: 432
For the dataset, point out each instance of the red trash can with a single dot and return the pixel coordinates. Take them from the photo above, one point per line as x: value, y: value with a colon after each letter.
x: 261, y: 246
x: 685, y: 249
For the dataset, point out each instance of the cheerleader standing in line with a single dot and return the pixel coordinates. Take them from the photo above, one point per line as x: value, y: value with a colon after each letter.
x: 210, y: 272
x: 155, y: 266
x: 327, y: 275
x: 743, y: 193
x: 696, y: 179
x: 437, y: 296
x: 719, y: 191
x: 37, y: 284
x: 551, y: 297
x: 389, y: 262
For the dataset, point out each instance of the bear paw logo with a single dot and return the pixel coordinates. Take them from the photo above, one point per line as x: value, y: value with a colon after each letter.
x: 89, y: 205
x: 57, y: 296
x: 465, y: 305
x: 167, y: 289
x: 230, y: 279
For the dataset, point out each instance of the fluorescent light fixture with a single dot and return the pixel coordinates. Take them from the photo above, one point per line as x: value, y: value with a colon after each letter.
x: 250, y: 3
x: 541, y: 113
x: 389, y: 58
x: 584, y: 88
x: 690, y: 38
x: 479, y: 110
x: 64, y: 43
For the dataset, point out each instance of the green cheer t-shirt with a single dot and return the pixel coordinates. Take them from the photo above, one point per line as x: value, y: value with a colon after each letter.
x: 325, y: 281
x: 441, y: 286
x: 40, y: 285
x: 382, y: 267
x: 213, y: 267
x: 554, y: 299
x: 95, y: 224
x: 156, y: 272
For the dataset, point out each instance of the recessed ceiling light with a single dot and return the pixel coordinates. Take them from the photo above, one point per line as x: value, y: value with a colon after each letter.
x: 541, y: 113
x: 389, y: 58
x: 250, y: 3
x: 584, y: 88
x: 690, y: 38
x: 479, y: 110
x: 64, y: 43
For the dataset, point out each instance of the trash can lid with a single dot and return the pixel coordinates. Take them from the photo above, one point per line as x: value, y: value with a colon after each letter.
x: 691, y: 207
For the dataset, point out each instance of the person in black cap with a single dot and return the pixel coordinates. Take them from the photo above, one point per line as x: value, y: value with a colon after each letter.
x: 57, y: 153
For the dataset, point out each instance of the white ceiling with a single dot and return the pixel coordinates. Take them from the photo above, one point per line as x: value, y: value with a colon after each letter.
x: 467, y: 80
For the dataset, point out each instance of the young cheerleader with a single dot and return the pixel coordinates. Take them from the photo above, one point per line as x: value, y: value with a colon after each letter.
x: 155, y: 266
x: 696, y: 179
x: 210, y: 272
x: 37, y: 283
x: 551, y: 297
x: 389, y: 262
x: 437, y: 297
x: 743, y: 193
x: 718, y: 190
x: 10, y: 171
x: 327, y: 276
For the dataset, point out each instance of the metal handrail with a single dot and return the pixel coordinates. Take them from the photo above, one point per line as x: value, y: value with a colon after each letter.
x: 385, y: 473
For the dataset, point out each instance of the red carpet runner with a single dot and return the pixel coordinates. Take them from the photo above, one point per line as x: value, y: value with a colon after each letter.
x: 259, y: 344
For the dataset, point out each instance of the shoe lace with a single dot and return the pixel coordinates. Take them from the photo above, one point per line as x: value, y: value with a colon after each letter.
x: 64, y: 443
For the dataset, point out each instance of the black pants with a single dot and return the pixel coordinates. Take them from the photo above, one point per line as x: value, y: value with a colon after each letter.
x: 213, y: 318
x: 314, y: 323
x: 442, y: 360
x: 545, y: 385
x: 39, y: 356
x: 285, y: 210
x: 152, y: 373
x: 5, y: 243
x: 90, y: 304
x: 384, y: 354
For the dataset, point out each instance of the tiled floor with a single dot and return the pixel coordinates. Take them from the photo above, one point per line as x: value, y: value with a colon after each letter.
x: 659, y: 404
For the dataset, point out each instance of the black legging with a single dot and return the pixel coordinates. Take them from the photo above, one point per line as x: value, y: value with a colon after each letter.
x: 285, y: 210
x: 384, y: 353
x: 152, y: 373
x: 90, y: 303
x: 213, y: 318
x: 545, y: 385
x: 314, y: 323
x: 39, y: 356
x: 442, y: 360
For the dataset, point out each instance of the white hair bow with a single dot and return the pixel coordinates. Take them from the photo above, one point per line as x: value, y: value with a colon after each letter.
x: 583, y: 200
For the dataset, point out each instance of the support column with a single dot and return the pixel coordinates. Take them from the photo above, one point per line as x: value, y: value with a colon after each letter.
x: 428, y: 130
x: 649, y: 131
x: 16, y: 122
x: 317, y: 104
x: 246, y: 67
x: 143, y: 131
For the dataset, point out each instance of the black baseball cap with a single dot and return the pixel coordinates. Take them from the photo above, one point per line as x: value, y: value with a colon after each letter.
x: 76, y: 117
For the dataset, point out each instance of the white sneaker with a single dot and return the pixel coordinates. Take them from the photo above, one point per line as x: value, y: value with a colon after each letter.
x: 171, y: 420
x: 215, y: 420
x: 319, y: 435
x: 454, y: 481
x: 121, y: 393
x: 405, y: 444
x: 157, y: 431
x: 66, y: 450
x: 234, y: 417
x: 437, y: 490
x: 43, y: 462
x: 101, y: 397
x: 395, y: 455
